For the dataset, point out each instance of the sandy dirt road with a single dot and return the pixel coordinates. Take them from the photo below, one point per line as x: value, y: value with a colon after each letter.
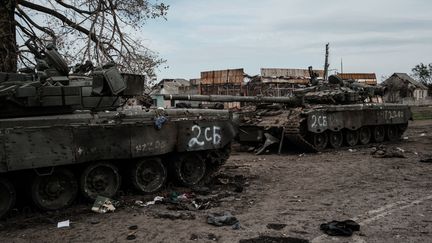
x: 391, y: 198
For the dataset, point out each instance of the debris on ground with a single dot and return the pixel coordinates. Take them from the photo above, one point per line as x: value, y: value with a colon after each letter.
x: 276, y: 226
x: 153, y: 202
x: 63, y: 224
x: 222, y: 219
x: 104, y: 205
x: 340, y: 228
x: 272, y: 239
x: 383, y: 152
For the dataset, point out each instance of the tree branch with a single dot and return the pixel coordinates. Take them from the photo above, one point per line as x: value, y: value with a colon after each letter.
x: 63, y: 18
x: 81, y: 11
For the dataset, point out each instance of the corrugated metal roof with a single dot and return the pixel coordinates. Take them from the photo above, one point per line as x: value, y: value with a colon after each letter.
x: 357, y: 76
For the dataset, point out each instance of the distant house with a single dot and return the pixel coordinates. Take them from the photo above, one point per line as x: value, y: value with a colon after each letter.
x: 400, y: 87
x: 174, y: 86
x: 366, y: 78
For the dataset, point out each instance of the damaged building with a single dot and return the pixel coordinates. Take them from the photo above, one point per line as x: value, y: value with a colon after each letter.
x: 401, y: 88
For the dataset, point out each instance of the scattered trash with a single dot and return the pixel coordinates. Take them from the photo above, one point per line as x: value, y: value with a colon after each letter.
x: 219, y: 219
x: 423, y: 135
x: 155, y: 200
x: 405, y: 138
x: 104, y: 205
x: 382, y: 152
x: 352, y: 150
x: 276, y: 226
x: 160, y: 121
x: 139, y: 203
x: 273, y: 239
x: 63, y: 224
x: 340, y: 228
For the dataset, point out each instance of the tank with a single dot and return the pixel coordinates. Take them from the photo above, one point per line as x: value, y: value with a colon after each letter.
x: 64, y: 135
x: 326, y: 114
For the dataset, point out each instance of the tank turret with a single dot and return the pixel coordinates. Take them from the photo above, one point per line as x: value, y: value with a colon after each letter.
x: 50, y: 88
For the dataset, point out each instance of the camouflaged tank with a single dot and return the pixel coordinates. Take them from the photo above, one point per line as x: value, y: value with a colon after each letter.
x: 64, y: 134
x: 324, y: 115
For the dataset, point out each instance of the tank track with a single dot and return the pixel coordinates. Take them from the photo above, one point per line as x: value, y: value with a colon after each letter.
x: 293, y: 132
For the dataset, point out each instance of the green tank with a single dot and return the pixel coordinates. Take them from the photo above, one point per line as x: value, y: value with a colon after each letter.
x: 326, y: 114
x: 64, y: 134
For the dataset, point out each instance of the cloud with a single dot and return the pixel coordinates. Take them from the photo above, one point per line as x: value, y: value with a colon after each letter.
x: 213, y: 34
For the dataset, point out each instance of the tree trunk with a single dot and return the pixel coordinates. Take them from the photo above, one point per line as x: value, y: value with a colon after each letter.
x: 8, y: 47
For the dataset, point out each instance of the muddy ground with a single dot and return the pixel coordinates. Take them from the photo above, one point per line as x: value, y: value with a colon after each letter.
x: 391, y: 198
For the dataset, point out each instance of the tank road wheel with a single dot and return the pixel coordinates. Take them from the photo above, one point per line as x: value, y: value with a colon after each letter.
x: 379, y: 134
x: 100, y: 179
x: 335, y: 139
x: 190, y: 169
x: 319, y: 140
x: 149, y: 175
x: 393, y: 133
x: 351, y: 137
x: 55, y: 191
x: 7, y: 196
x: 365, y: 135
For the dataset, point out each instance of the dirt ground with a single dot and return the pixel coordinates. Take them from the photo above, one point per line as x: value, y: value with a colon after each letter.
x: 391, y: 198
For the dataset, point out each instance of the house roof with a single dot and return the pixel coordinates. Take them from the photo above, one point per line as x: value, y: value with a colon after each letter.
x: 407, y: 78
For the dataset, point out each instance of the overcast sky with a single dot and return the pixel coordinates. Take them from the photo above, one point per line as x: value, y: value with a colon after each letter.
x: 382, y: 36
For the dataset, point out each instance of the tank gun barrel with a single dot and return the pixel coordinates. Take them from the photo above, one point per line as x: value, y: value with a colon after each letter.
x: 292, y: 101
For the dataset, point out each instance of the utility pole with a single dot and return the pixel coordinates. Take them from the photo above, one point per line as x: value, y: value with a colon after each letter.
x: 326, y: 64
x: 341, y: 65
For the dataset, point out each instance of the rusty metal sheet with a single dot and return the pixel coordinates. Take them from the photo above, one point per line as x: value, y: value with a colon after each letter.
x: 203, y: 135
x: 288, y: 73
x: 38, y: 147
x: 231, y: 76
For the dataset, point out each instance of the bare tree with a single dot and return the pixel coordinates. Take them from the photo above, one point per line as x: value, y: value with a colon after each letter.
x: 96, y: 30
